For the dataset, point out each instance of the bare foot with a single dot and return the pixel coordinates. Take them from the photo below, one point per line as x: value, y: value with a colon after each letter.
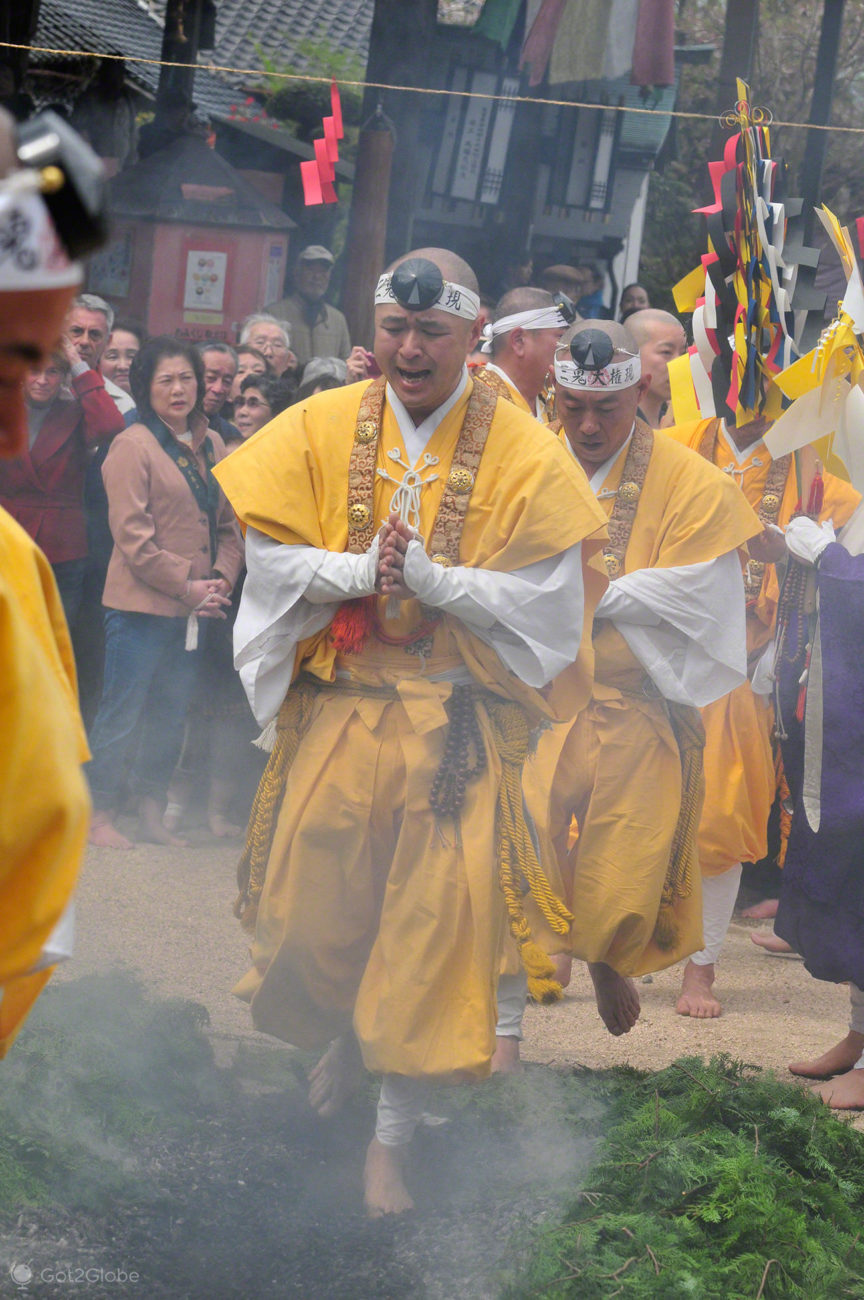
x: 697, y: 993
x: 219, y: 825
x: 846, y: 1092
x: 617, y: 999
x: 505, y: 1058
x: 773, y: 943
x: 336, y: 1076
x: 104, y: 833
x: 837, y: 1060
x: 152, y: 829
x: 762, y: 911
x: 563, y: 963
x: 384, y: 1190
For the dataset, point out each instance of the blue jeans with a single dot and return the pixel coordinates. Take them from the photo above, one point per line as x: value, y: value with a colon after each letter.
x: 149, y: 678
x: 70, y: 575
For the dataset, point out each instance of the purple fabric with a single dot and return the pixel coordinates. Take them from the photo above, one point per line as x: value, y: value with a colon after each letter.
x: 821, y: 911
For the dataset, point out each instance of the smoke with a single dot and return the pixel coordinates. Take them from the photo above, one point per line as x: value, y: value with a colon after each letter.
x: 125, y: 1148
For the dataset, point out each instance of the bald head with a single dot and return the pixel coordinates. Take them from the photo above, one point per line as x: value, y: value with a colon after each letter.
x: 453, y: 268
x: 644, y: 325
x: 660, y: 337
x: 620, y: 336
x: 422, y: 352
x: 523, y: 298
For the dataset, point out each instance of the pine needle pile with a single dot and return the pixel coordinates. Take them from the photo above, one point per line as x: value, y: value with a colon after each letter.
x: 97, y: 1068
x: 712, y: 1181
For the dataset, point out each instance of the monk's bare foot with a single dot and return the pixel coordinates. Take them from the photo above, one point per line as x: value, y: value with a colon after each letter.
x: 152, y: 828
x: 384, y: 1190
x: 505, y: 1058
x: 837, y: 1060
x: 563, y: 963
x: 617, y: 999
x: 762, y: 911
x: 104, y: 833
x: 336, y: 1076
x: 697, y: 993
x: 846, y: 1092
x: 772, y: 943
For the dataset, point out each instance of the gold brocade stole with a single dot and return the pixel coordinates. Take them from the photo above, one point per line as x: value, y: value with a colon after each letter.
x: 767, y: 510
x: 685, y: 720
x: 450, y: 520
x: 499, y: 386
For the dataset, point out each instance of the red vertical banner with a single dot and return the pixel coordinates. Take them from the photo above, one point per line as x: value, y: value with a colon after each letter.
x: 330, y: 136
x: 336, y: 110
x: 311, y: 178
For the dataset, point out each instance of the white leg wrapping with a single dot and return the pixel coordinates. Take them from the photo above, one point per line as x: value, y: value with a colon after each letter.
x: 512, y: 998
x: 718, y: 904
x: 856, y: 1011
x: 400, y: 1106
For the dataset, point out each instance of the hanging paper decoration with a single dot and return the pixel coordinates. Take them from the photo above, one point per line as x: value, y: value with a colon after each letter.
x: 319, y: 173
x: 754, y: 304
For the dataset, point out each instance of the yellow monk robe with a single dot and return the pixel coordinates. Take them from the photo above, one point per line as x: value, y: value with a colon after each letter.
x: 617, y: 768
x: 739, y: 765
x: 500, y: 383
x: 371, y: 911
x: 45, y: 807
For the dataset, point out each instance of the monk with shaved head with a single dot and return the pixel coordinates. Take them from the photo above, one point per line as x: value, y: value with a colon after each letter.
x: 520, y: 342
x: 660, y: 338
x: 408, y: 543
x: 668, y: 636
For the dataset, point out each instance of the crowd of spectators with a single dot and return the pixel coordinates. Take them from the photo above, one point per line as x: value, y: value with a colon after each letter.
x: 114, y: 485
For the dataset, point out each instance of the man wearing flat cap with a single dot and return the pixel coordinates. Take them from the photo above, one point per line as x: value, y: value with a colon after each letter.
x: 409, y: 541
x: 317, y: 329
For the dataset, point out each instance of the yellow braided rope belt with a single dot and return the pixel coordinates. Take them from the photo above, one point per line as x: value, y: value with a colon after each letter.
x: 517, y: 857
x: 678, y: 884
x: 291, y: 726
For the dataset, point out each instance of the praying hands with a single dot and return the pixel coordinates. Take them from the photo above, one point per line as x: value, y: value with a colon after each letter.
x: 393, y: 543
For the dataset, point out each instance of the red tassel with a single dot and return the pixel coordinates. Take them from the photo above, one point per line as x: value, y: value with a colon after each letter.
x: 817, y: 496
x: 352, y: 625
x: 802, y: 691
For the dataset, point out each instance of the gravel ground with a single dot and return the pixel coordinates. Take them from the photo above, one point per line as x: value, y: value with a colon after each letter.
x: 261, y: 1200
x: 166, y: 915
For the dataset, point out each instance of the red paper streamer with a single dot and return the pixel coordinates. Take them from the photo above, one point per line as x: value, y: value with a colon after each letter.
x: 336, y: 110
x: 311, y: 178
x: 330, y: 136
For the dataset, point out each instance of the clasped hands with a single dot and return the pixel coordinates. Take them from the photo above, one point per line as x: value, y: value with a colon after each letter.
x: 393, y: 542
x: 207, y: 597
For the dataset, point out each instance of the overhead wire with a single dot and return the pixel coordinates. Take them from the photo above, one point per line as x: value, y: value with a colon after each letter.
x: 417, y: 90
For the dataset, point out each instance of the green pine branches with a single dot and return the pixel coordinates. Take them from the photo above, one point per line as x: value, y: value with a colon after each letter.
x: 714, y: 1182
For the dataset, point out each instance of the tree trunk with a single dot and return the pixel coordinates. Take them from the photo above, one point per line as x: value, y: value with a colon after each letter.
x: 365, y: 251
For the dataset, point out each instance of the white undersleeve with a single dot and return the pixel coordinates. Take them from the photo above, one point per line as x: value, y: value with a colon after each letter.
x: 401, y: 1105
x: 718, y: 904
x: 532, y: 617
x: 512, y: 998
x: 692, y: 638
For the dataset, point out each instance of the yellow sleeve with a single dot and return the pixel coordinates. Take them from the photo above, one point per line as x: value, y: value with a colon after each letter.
x: 43, y: 813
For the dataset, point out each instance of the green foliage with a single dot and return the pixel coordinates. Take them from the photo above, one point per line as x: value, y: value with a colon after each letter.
x: 96, y: 1068
x: 782, y: 80
x: 712, y: 1181
x: 304, y: 103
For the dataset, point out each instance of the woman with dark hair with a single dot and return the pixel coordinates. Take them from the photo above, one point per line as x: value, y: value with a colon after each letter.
x: 220, y: 727
x: 177, y: 553
x: 124, y: 344
x: 261, y: 398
